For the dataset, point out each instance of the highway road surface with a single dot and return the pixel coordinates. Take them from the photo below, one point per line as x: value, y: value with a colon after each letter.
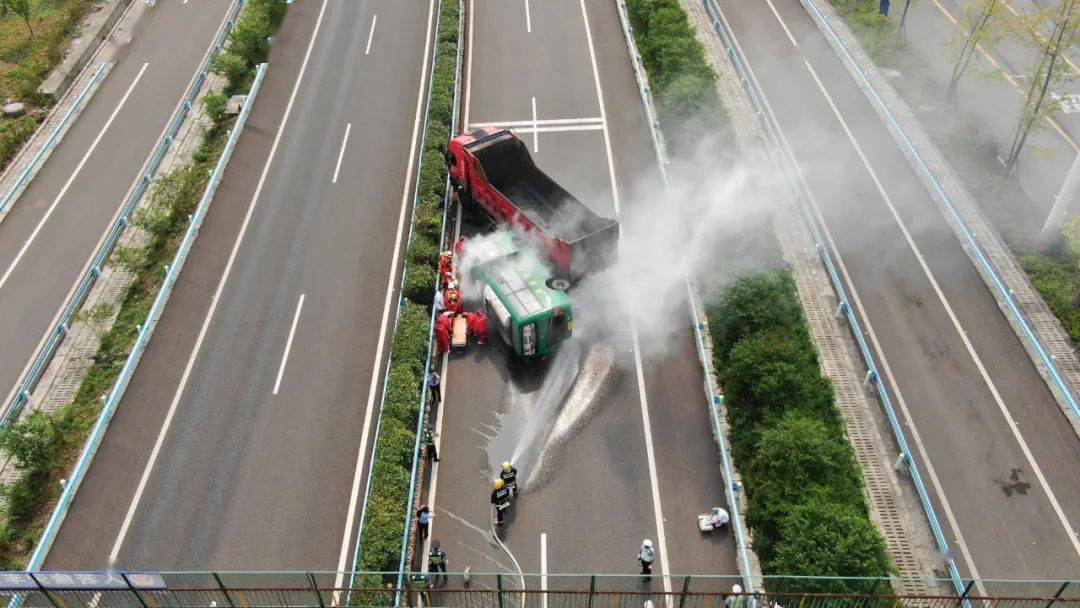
x: 993, y: 446
x: 645, y: 463
x: 237, y: 443
x: 51, y: 232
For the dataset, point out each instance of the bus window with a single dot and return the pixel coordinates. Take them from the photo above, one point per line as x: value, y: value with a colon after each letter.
x: 557, y: 327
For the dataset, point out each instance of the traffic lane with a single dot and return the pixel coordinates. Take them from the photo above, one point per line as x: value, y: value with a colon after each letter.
x: 1024, y: 392
x: 93, y: 521
x: 690, y: 479
x: 577, y: 161
x: 266, y: 449
x: 937, y: 376
x: 687, y: 458
x: 550, y: 65
x: 46, y: 273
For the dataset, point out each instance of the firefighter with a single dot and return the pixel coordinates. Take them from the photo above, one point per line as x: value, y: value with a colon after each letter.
x: 446, y: 263
x: 443, y: 327
x: 500, y: 499
x: 478, y: 325
x: 452, y: 298
x: 509, y: 477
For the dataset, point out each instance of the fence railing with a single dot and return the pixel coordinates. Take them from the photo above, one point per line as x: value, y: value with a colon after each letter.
x: 316, y: 589
x: 35, y: 163
x: 172, y: 271
x: 714, y: 400
x: 58, y: 332
x: 777, y: 146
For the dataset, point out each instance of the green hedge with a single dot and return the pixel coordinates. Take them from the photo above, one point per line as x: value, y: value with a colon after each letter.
x: 803, y: 486
x: 384, y: 519
x: 46, y: 446
x: 683, y: 84
x: 1055, y: 273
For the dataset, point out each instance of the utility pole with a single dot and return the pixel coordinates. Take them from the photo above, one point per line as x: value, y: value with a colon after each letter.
x: 1056, y: 219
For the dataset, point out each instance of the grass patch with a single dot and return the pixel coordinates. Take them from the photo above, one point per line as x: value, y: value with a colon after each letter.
x: 803, y: 485
x: 25, y: 61
x: 46, y: 446
x: 384, y: 522
x: 878, y: 35
x: 1055, y: 272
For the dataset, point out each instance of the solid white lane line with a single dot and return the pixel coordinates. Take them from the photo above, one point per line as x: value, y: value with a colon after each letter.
x: 535, y: 129
x: 214, y: 300
x: 661, y: 537
x: 341, y: 153
x: 388, y: 306
x: 468, y: 63
x: 526, y: 130
x: 371, y: 34
x: 543, y: 569
x: 71, y: 178
x: 288, y: 344
x: 952, y: 317
x: 526, y: 123
x: 528, y: 18
x: 603, y: 112
x: 782, y: 24
x: 928, y: 464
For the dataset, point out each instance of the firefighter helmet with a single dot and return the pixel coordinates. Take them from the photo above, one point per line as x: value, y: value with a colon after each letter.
x: 498, y: 484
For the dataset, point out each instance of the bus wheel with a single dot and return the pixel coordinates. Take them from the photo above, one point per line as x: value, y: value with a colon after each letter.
x: 558, y: 284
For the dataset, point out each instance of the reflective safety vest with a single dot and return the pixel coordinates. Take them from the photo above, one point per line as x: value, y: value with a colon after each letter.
x: 428, y: 437
x: 501, y: 497
x: 419, y: 581
x: 436, y: 556
x: 647, y: 555
x: 509, y: 477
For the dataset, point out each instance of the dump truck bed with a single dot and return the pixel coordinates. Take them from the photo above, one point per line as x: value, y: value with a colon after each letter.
x: 510, y: 169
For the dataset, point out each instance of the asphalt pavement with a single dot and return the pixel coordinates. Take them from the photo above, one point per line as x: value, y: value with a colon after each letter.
x: 544, y: 68
x: 262, y: 407
x: 51, y: 232
x: 990, y: 440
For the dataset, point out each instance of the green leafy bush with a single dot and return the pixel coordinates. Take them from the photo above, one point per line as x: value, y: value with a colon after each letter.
x: 683, y: 84
x: 1055, y: 273
x: 384, y: 521
x: 788, y: 439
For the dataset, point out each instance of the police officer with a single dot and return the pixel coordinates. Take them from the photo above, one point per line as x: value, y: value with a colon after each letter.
x: 500, y: 499
x: 429, y: 441
x: 509, y: 477
x: 646, y: 556
x: 436, y: 559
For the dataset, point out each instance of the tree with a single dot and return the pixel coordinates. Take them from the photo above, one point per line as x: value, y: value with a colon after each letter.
x: 751, y: 303
x: 981, y: 27
x: 903, y: 15
x: 24, y: 9
x: 1051, y: 32
x: 827, y: 539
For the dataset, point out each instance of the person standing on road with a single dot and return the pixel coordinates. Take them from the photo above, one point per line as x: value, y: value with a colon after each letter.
x: 500, y: 499
x: 437, y: 559
x: 423, y: 518
x: 509, y: 477
x: 646, y: 556
x: 434, y: 380
x: 429, y: 441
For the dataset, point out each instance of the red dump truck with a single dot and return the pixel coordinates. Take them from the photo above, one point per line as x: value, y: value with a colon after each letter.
x: 494, y: 173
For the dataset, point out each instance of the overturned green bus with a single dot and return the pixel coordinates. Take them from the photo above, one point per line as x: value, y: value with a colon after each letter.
x: 532, y: 319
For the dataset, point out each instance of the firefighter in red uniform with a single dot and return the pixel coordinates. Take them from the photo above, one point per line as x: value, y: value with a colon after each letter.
x: 443, y: 326
x: 452, y: 298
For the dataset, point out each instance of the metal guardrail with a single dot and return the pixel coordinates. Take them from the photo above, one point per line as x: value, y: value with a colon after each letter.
x: 58, y: 332
x: 413, y: 478
x: 714, y: 400
x: 34, y: 164
x: 172, y: 271
x: 773, y: 138
x: 969, y: 239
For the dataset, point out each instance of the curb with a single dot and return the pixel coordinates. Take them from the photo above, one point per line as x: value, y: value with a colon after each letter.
x: 1038, y: 330
x: 84, y: 47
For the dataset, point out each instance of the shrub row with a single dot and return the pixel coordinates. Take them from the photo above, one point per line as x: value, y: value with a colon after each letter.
x: 878, y: 35
x: 1055, y: 273
x: 384, y: 522
x: 683, y: 84
x: 45, y: 446
x: 248, y: 43
x: 31, y: 58
x: 803, y: 486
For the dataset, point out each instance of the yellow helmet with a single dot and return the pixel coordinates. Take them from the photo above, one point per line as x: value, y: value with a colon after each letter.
x: 498, y: 484
x: 506, y: 466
